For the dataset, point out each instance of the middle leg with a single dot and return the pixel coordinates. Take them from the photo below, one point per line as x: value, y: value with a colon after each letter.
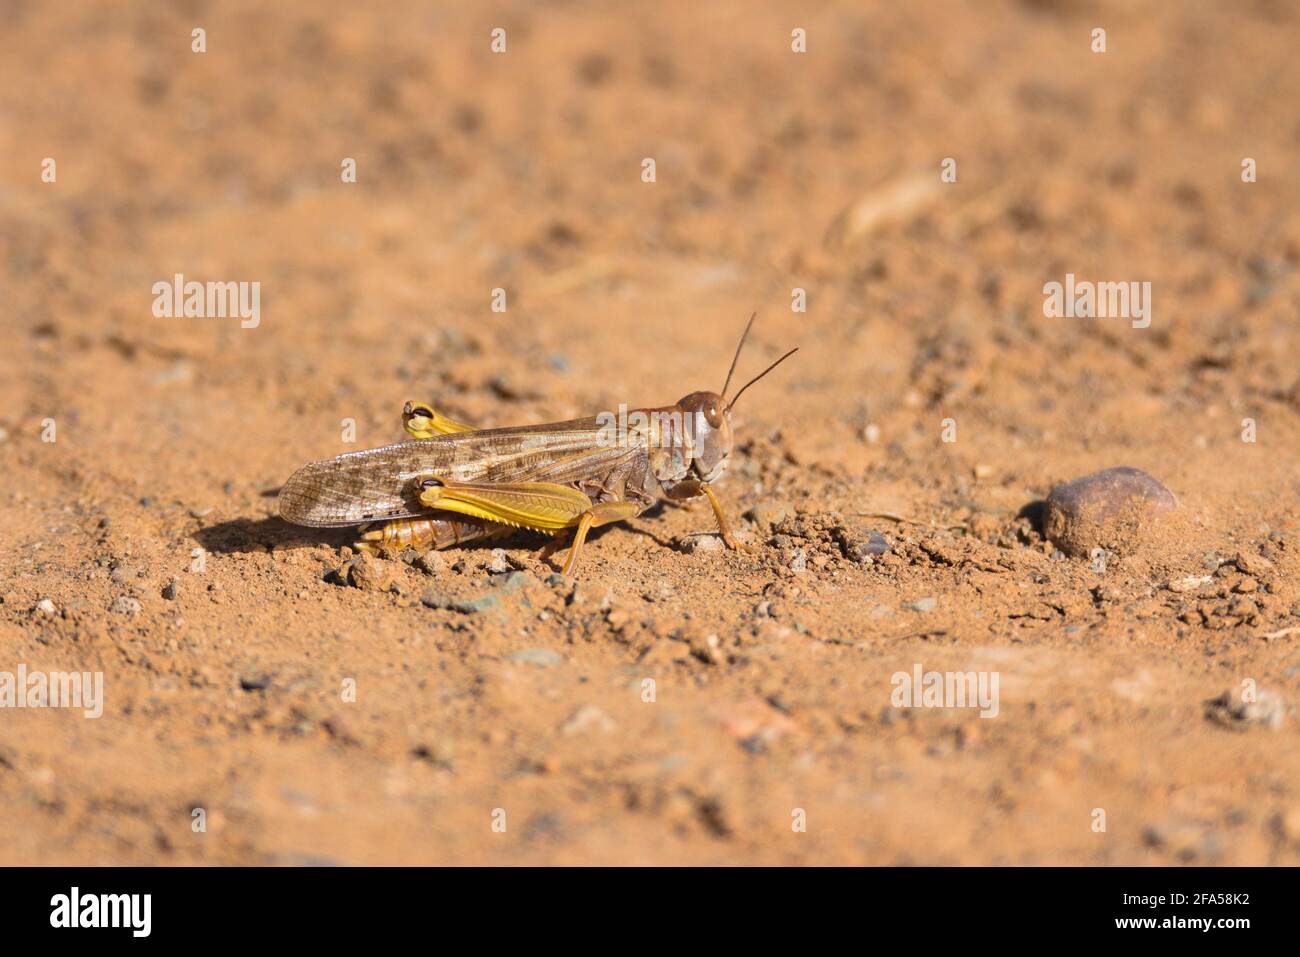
x: 692, y: 488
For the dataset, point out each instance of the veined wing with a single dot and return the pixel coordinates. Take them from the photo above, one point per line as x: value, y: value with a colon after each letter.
x: 383, y: 483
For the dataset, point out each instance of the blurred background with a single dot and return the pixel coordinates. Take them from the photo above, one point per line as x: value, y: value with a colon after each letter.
x: 775, y: 172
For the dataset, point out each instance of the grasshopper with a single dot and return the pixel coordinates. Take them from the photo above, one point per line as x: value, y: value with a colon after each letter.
x: 453, y: 483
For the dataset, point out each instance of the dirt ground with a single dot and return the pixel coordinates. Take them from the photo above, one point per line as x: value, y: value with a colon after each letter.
x: 312, y: 721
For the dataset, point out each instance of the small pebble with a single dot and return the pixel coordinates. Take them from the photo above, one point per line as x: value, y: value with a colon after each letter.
x: 922, y: 605
x: 123, y: 575
x: 1184, y: 840
x: 1107, y: 594
x: 1110, y: 509
x: 1288, y: 823
x: 585, y: 719
x: 254, y: 681
x: 46, y: 607
x: 125, y: 605
x: 370, y: 574
x: 512, y: 582
x: 1252, y: 563
x: 434, y: 599
x: 861, y: 545
x: 473, y: 606
x: 700, y: 544
x: 171, y: 590
x: 1267, y: 710
x: 1190, y: 583
x: 767, y: 514
x: 431, y: 563
x: 542, y: 657
x: 708, y: 649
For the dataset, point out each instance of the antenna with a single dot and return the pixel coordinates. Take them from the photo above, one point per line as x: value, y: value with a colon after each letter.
x: 736, y: 358
x: 759, y: 376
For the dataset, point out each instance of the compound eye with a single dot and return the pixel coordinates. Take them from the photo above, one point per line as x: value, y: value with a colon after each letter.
x: 713, y: 415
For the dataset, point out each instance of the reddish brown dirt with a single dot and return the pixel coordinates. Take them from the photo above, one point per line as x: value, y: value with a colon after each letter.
x: 775, y: 170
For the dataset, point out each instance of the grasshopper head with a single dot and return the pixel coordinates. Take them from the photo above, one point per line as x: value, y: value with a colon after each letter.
x: 708, y: 421
x: 707, y: 417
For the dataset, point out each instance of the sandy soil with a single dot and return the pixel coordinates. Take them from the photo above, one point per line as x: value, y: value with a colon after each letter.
x: 772, y: 667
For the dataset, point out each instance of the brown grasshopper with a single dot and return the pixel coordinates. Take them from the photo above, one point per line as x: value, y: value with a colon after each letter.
x: 553, y: 477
